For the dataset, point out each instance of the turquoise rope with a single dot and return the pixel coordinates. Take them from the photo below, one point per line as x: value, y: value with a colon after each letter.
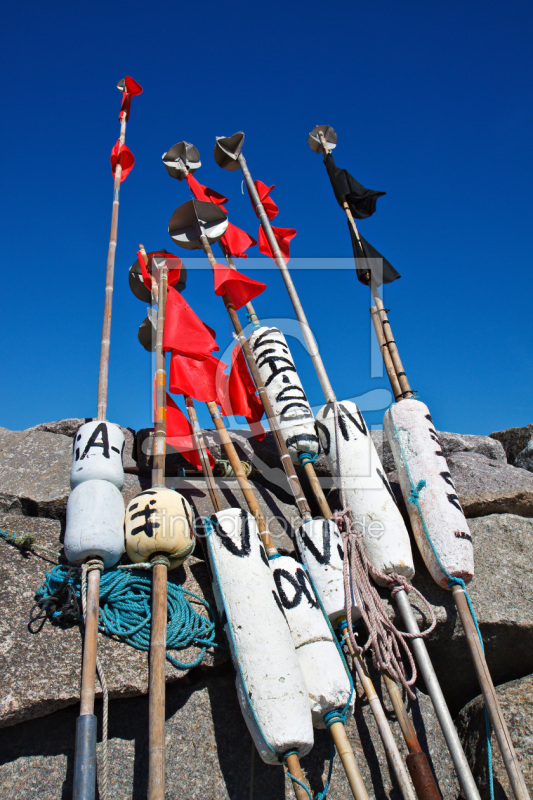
x: 307, y: 458
x: 23, y: 541
x: 125, y: 611
x: 414, y: 499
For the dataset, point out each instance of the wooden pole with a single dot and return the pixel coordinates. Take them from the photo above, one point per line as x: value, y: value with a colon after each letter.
x: 385, y: 354
x: 90, y: 639
x: 158, y: 475
x: 389, y: 339
x: 497, y: 719
x: 347, y: 757
x: 103, y: 373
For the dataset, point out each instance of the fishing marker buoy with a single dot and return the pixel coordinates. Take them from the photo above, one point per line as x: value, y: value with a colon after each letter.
x: 436, y: 516
x: 323, y: 669
x: 95, y: 523
x: 320, y: 548
x: 159, y: 520
x: 355, y: 466
x: 285, y: 391
x: 270, y: 685
x: 97, y: 454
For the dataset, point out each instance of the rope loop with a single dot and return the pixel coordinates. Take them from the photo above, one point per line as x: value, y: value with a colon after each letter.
x: 307, y: 458
x: 93, y: 563
x: 415, y: 492
x: 336, y: 715
x: 23, y: 541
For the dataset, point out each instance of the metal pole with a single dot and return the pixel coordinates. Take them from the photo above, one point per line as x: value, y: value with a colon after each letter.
x: 461, y: 765
x: 501, y: 731
x: 103, y: 373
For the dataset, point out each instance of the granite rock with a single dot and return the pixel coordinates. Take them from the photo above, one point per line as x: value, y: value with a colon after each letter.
x: 524, y: 459
x: 485, y: 486
x: 514, y: 440
x: 516, y: 701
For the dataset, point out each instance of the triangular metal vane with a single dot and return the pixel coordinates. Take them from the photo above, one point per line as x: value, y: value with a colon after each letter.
x: 194, y: 218
x: 228, y: 149
x: 329, y: 135
x: 181, y: 159
x: 136, y: 281
x: 121, y: 85
x: 148, y: 330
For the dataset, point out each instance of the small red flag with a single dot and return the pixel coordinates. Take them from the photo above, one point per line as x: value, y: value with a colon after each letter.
x: 283, y: 236
x: 130, y: 88
x: 240, y: 288
x: 269, y: 205
x: 205, y: 193
x: 240, y: 396
x: 203, y: 380
x: 180, y: 435
x: 174, y: 264
x: 121, y: 153
x: 184, y: 332
x: 235, y: 241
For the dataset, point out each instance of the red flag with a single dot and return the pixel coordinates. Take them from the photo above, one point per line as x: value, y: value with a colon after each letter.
x: 269, y: 205
x: 240, y: 397
x: 282, y: 236
x: 240, y: 288
x: 180, y: 435
x: 174, y: 264
x: 235, y: 241
x: 205, y: 380
x: 121, y: 153
x: 184, y: 332
x: 205, y: 193
x: 130, y: 88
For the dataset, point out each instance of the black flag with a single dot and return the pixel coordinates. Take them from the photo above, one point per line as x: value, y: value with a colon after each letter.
x: 361, y: 201
x: 382, y: 270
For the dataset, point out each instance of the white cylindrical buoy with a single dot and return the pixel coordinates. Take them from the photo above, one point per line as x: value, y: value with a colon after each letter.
x: 354, y: 462
x: 285, y: 391
x: 320, y: 547
x: 322, y: 665
x: 159, y: 520
x: 434, y: 510
x: 98, y: 451
x: 95, y: 523
x: 270, y: 684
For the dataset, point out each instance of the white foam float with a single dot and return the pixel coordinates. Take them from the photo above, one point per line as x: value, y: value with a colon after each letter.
x: 438, y: 516
x: 323, y: 668
x: 159, y: 520
x: 95, y: 523
x: 354, y: 461
x: 270, y: 685
x: 98, y: 450
x: 320, y: 547
x: 285, y: 391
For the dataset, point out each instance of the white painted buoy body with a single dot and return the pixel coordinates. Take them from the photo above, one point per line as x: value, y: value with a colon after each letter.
x: 323, y: 668
x: 418, y: 458
x: 270, y: 684
x: 353, y: 459
x: 285, y: 391
x: 98, y: 450
x: 95, y: 523
x: 159, y: 520
x: 320, y: 547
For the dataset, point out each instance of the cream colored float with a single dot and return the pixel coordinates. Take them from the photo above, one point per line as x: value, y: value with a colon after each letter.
x: 95, y: 523
x: 285, y: 391
x: 355, y: 464
x: 270, y: 684
x: 434, y: 509
x: 159, y: 520
x: 98, y: 450
x: 323, y: 668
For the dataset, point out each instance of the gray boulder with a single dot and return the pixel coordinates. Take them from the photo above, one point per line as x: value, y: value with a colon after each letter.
x: 485, y: 486
x: 516, y: 700
x: 514, y: 440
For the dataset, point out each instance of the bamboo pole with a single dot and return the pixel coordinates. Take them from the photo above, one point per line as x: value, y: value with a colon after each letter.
x: 103, y: 373
x: 499, y: 725
x: 158, y: 475
x: 385, y: 354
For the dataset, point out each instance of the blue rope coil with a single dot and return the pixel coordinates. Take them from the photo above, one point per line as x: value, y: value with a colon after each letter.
x: 125, y: 610
x: 307, y: 458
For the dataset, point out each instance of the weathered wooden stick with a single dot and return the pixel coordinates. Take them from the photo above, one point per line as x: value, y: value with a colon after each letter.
x: 385, y: 354
x: 501, y: 731
x: 158, y: 475
x: 156, y: 703
x: 103, y: 373
x: 346, y: 755
x: 389, y: 339
x: 90, y: 639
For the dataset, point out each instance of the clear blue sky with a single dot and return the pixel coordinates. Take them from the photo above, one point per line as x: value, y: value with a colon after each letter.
x: 431, y: 103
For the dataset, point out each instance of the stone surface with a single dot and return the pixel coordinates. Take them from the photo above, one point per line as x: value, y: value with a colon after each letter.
x: 524, y: 459
x: 209, y: 753
x: 40, y: 666
x: 485, y: 486
x: 516, y: 700
x: 514, y: 440
x: 502, y: 597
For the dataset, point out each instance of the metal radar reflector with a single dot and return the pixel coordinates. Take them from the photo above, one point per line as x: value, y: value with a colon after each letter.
x: 315, y: 140
x: 228, y: 150
x: 195, y: 219
x: 181, y: 159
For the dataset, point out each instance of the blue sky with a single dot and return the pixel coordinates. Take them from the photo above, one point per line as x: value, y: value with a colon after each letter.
x: 431, y: 103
